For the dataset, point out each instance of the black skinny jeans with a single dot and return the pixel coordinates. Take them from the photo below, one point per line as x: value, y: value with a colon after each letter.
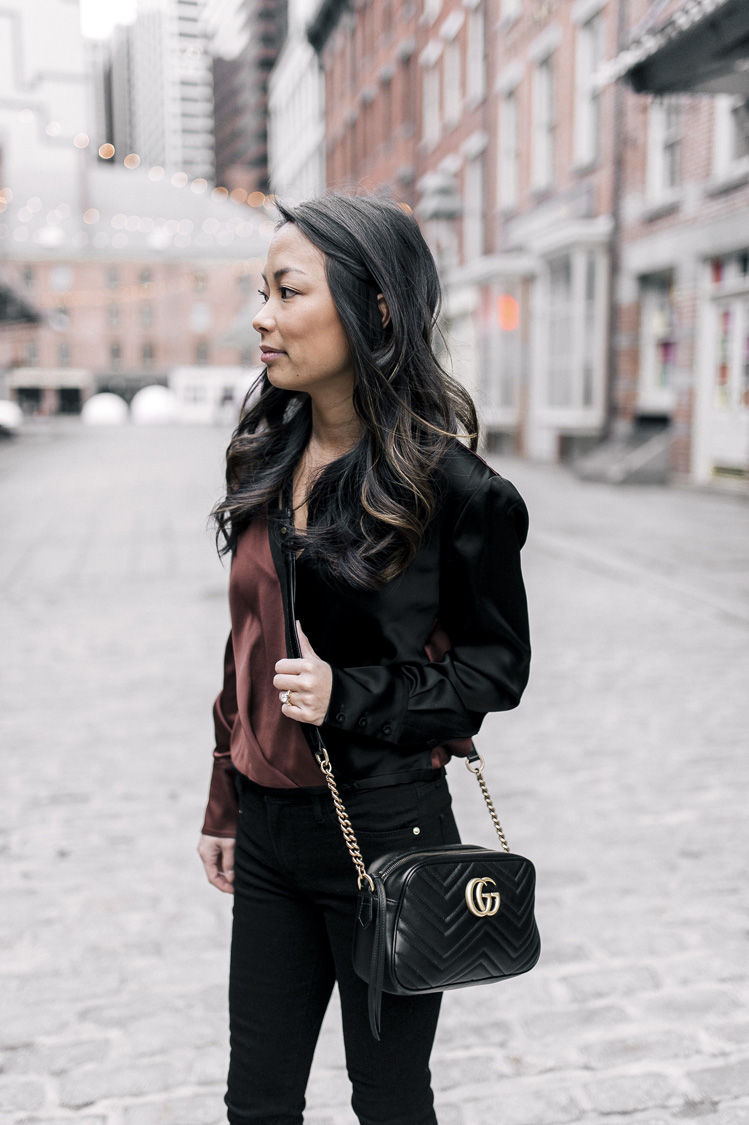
x: 295, y: 902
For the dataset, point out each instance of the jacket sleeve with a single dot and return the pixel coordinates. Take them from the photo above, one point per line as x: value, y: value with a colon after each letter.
x: 483, y: 610
x: 221, y: 812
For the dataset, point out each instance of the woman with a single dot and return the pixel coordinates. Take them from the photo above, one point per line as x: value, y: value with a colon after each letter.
x: 404, y: 625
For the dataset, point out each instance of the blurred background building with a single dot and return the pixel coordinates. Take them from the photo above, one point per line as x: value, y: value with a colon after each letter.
x: 579, y: 167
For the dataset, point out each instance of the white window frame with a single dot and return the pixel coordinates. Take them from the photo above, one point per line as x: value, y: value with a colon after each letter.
x: 726, y: 165
x: 431, y: 119
x: 589, y: 54
x: 588, y: 265
x: 476, y: 55
x: 473, y: 208
x: 655, y: 306
x: 663, y: 135
x: 508, y: 151
x: 544, y: 123
x: 452, y: 83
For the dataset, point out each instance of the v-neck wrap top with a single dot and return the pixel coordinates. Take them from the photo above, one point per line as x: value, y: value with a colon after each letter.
x: 417, y: 663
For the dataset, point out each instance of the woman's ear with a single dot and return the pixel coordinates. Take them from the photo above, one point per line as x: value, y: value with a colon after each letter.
x: 382, y: 305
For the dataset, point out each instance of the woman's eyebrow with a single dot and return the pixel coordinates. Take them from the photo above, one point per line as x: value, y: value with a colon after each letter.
x: 284, y: 270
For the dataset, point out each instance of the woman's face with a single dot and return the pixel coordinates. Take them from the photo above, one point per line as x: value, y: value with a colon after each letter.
x: 302, y: 339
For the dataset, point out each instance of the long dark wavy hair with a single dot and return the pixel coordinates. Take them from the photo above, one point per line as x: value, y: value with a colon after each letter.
x: 368, y: 510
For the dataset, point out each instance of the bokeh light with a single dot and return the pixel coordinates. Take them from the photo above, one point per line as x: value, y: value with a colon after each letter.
x: 81, y: 140
x: 106, y: 151
x: 132, y: 160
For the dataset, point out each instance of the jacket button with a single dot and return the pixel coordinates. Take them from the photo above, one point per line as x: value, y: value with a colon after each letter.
x: 431, y: 743
x: 340, y: 717
x: 284, y: 530
x: 362, y: 722
x: 387, y: 728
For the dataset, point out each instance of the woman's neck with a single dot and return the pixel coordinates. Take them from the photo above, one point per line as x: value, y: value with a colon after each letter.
x: 335, y: 428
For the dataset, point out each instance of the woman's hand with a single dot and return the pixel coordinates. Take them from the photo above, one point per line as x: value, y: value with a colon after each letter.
x: 309, y: 682
x: 217, y: 854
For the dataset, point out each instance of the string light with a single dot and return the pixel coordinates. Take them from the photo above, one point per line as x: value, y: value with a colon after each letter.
x: 91, y: 216
x: 179, y: 179
x: 81, y: 140
x: 53, y: 129
x: 239, y: 195
x: 132, y: 160
x: 106, y: 151
x: 256, y: 199
x: 156, y: 173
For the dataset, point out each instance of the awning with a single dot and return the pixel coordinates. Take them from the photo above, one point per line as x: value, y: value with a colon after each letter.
x: 14, y: 309
x: 702, y: 49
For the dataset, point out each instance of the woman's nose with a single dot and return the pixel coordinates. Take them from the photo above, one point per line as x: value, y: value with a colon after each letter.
x: 262, y: 321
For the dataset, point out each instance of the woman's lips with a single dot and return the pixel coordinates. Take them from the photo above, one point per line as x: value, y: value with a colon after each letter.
x: 269, y: 354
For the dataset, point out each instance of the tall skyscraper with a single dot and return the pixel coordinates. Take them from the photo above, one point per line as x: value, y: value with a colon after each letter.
x: 161, y: 88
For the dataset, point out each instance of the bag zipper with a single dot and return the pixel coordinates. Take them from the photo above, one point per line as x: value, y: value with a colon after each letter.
x: 424, y: 855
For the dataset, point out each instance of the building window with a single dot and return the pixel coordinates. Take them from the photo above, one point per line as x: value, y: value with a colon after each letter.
x: 64, y: 354
x: 387, y: 111
x: 473, y: 211
x: 115, y: 356
x: 432, y: 9
x: 61, y: 279
x: 509, y: 151
x: 543, y: 124
x: 561, y: 316
x: 146, y: 277
x: 244, y: 282
x: 199, y: 282
x: 730, y: 136
x: 148, y: 357
x: 32, y: 355
x: 112, y: 277
x: 664, y: 147
x: 657, y: 342
x: 453, y: 92
x: 431, y: 105
x: 29, y: 276
x: 245, y: 357
x: 475, y: 56
x: 590, y: 55
x: 146, y: 315
x: 408, y: 90
x: 201, y: 354
x: 574, y: 338
x: 114, y: 316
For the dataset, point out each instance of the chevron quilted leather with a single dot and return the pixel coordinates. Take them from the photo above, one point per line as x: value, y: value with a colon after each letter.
x: 429, y: 940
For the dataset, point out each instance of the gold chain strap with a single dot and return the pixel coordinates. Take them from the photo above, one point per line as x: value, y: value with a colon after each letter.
x: 347, y: 828
x: 478, y: 771
x: 323, y: 762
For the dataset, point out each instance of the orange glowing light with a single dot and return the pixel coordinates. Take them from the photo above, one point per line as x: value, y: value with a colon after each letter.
x: 132, y: 160
x: 106, y: 152
x: 256, y: 199
x: 239, y: 195
x: 508, y: 312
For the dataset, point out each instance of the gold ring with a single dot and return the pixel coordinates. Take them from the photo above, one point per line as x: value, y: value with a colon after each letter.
x: 285, y: 696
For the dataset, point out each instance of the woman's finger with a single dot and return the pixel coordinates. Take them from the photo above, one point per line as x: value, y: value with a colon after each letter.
x: 286, y: 683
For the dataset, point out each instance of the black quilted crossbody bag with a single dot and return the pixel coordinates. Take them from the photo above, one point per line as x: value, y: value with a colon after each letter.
x: 447, y: 917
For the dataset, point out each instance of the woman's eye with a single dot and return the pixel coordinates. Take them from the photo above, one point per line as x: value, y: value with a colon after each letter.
x: 285, y: 292
x: 263, y: 294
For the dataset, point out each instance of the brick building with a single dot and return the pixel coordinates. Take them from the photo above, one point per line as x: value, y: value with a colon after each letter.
x: 593, y: 241
x: 481, y: 115
x: 683, y: 313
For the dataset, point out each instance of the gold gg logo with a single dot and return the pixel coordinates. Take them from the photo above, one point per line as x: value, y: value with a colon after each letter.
x: 480, y: 903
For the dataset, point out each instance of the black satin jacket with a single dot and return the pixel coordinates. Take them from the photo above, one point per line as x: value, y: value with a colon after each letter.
x: 391, y: 706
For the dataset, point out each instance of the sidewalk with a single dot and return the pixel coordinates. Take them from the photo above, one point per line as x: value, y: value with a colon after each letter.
x: 620, y: 775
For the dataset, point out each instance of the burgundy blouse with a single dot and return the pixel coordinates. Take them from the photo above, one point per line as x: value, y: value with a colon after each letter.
x: 252, y: 734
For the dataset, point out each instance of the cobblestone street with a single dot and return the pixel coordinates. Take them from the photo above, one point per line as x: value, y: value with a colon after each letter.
x: 622, y: 775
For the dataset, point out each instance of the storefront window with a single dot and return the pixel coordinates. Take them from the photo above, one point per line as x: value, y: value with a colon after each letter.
x: 560, y: 331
